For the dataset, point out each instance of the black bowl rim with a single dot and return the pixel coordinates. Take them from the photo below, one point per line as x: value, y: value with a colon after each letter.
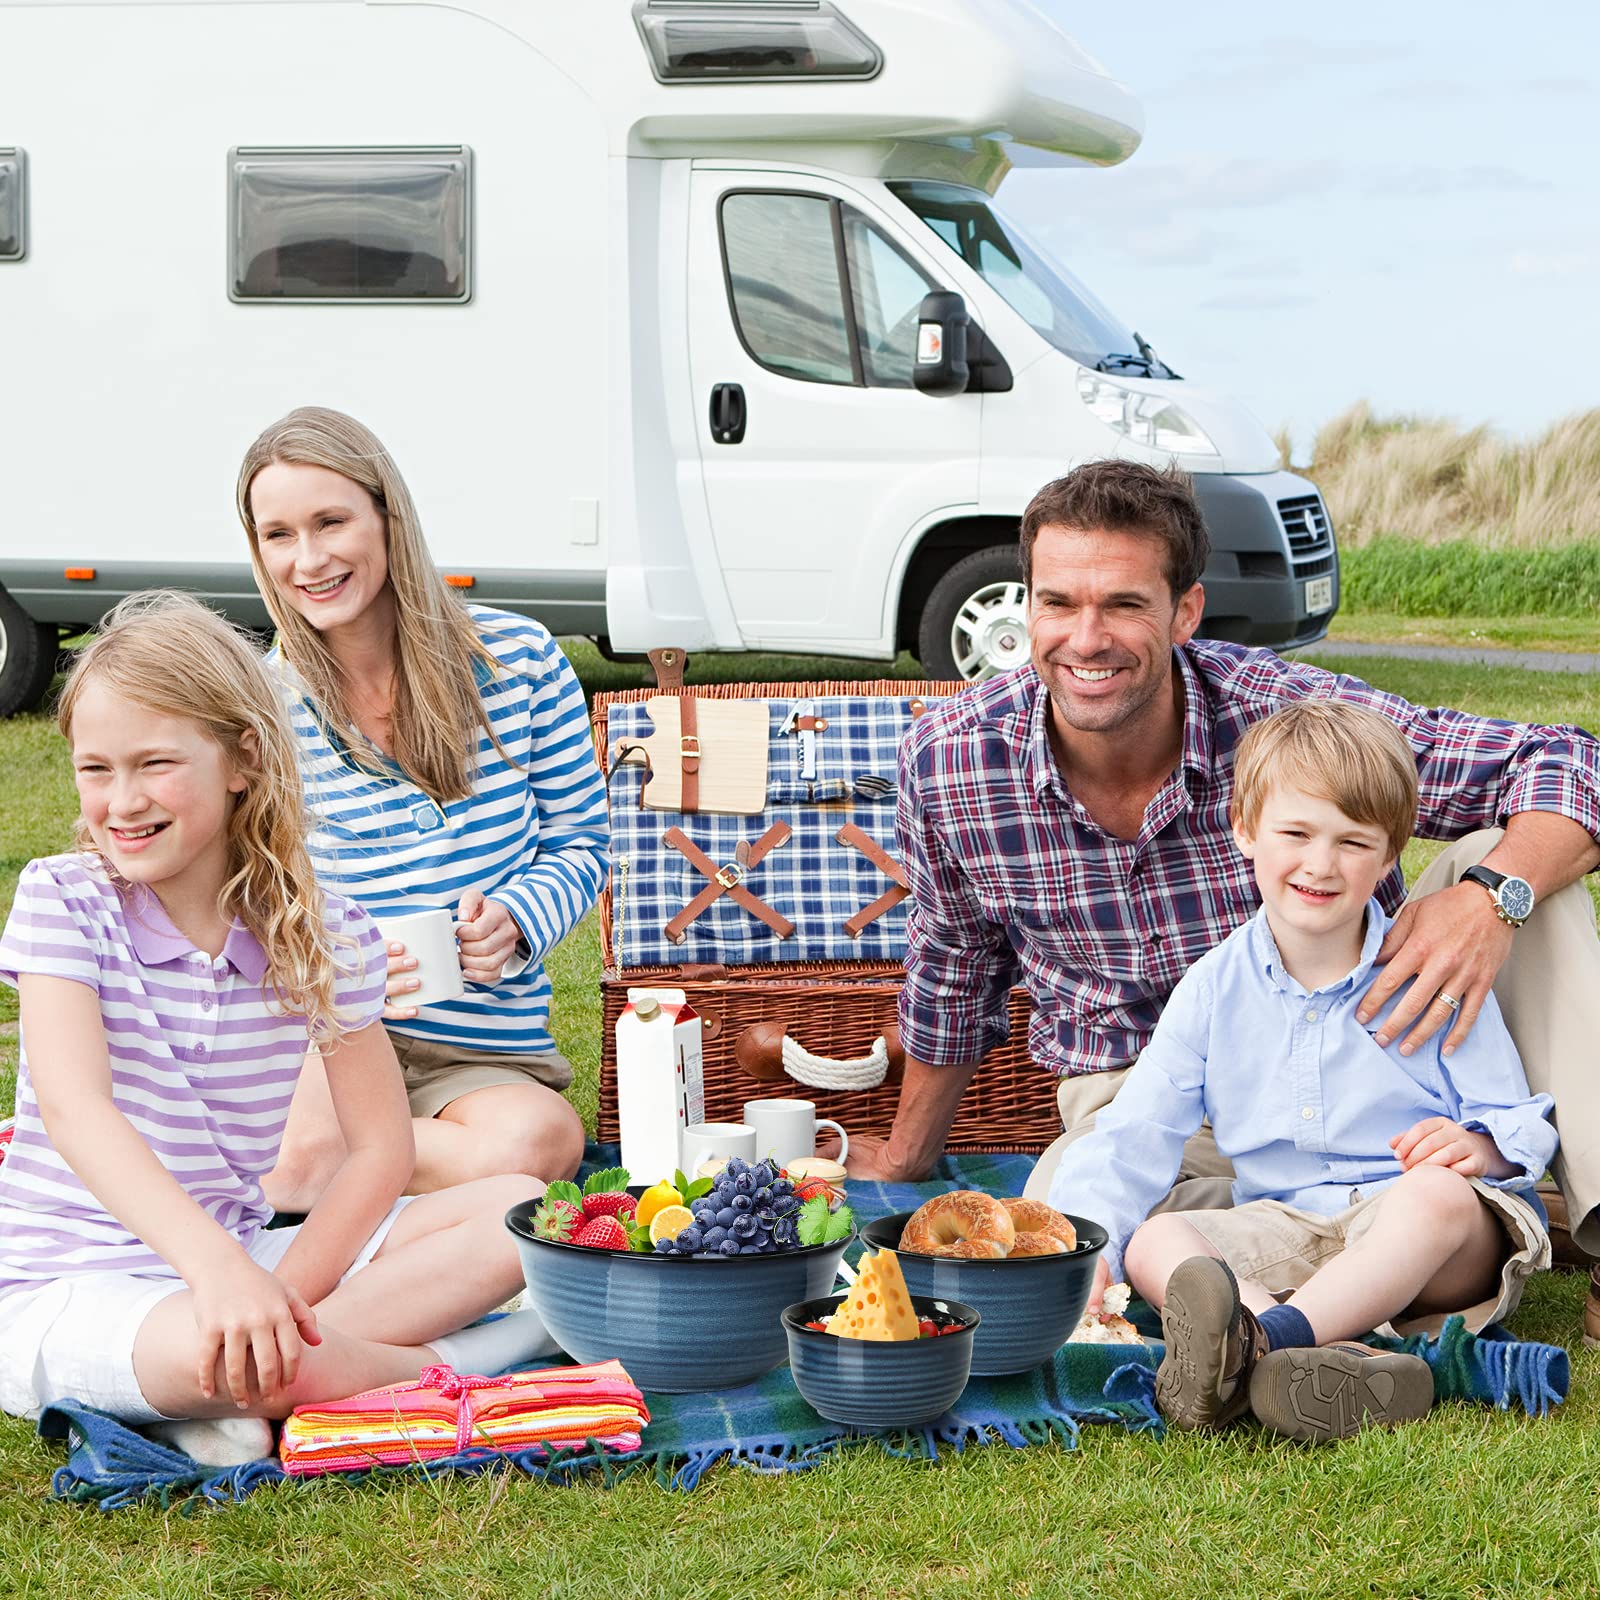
x: 795, y: 1323
x: 524, y: 1208
x: 1088, y: 1245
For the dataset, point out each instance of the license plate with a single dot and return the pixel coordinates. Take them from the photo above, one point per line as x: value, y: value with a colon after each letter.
x: 1319, y: 595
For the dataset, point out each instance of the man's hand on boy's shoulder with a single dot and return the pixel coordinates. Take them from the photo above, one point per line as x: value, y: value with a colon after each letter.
x: 1439, y: 1142
x: 1454, y: 945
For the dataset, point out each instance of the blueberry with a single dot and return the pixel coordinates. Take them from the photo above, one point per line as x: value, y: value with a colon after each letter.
x: 744, y: 1184
x: 736, y: 1167
x: 743, y: 1203
x: 713, y: 1238
x: 723, y: 1192
x: 745, y: 1229
x: 728, y: 1247
x: 726, y: 1215
x: 762, y: 1196
x: 705, y: 1215
x: 689, y: 1240
x: 663, y: 1247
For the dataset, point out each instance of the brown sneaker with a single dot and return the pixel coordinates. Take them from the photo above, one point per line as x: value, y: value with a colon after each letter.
x: 1591, y: 1312
x: 1565, y: 1254
x: 1213, y: 1343
x: 1334, y: 1390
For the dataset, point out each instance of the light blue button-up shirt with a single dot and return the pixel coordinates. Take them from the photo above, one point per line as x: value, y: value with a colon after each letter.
x: 1302, y: 1098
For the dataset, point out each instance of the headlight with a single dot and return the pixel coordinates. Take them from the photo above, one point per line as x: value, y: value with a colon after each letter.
x: 1147, y: 419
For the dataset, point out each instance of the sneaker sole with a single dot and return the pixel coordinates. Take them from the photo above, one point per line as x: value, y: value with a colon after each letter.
x: 1195, y: 1317
x: 1319, y: 1395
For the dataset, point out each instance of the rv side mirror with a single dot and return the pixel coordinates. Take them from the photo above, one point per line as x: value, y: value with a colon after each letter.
x: 941, y: 364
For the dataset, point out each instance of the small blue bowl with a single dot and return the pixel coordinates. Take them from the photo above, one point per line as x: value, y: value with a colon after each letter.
x: 1030, y: 1305
x: 867, y: 1383
x: 677, y: 1323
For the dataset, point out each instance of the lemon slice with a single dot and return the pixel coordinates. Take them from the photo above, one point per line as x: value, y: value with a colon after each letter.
x: 669, y: 1222
x: 653, y: 1199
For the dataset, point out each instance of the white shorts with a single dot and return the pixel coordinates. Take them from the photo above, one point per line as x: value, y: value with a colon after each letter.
x: 72, y: 1338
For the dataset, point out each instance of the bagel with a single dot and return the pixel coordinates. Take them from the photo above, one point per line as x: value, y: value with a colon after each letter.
x: 1037, y: 1243
x: 1034, y: 1216
x: 964, y: 1224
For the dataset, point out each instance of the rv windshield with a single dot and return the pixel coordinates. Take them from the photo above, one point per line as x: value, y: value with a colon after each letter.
x: 1037, y: 288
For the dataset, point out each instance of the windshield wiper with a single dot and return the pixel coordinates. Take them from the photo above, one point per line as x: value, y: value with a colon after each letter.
x: 1140, y: 364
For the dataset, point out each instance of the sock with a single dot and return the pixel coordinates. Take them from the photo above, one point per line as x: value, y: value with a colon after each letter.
x: 499, y: 1346
x: 1285, y: 1326
x: 215, y: 1441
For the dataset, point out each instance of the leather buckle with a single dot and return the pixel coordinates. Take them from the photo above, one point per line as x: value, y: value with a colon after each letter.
x: 730, y: 876
x: 685, y: 741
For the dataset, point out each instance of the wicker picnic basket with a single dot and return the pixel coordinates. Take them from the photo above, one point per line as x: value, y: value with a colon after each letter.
x: 832, y: 1009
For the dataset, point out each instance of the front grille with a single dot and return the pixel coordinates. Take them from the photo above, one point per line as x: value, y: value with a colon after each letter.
x: 1305, y: 521
x: 1314, y: 569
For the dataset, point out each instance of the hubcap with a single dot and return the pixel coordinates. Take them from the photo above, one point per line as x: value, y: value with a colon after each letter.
x: 990, y: 633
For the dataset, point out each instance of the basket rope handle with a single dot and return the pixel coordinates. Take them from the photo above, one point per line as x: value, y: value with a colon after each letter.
x: 766, y: 1051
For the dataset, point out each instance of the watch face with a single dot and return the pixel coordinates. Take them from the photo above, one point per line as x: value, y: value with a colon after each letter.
x: 1516, y: 898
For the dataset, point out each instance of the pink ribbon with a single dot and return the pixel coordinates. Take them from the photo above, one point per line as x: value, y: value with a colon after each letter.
x: 457, y: 1386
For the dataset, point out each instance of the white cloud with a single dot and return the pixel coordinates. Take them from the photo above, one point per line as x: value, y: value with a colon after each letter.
x: 1555, y: 263
x: 1479, y: 179
x: 1557, y: 84
x: 1256, y: 300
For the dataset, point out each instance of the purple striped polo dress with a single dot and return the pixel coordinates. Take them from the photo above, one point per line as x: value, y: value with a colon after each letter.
x: 203, y: 1062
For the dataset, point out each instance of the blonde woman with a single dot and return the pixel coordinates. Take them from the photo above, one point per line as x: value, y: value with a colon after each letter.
x: 446, y: 759
x: 171, y: 971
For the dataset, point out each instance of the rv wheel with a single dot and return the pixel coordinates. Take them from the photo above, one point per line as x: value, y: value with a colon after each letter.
x: 973, y: 624
x: 27, y: 658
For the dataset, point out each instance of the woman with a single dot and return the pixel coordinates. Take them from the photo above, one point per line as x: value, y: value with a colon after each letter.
x: 446, y: 758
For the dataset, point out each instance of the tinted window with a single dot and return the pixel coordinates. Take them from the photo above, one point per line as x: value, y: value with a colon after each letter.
x: 783, y: 276
x: 12, y: 244
x: 733, y: 43
x: 350, y: 224
x: 887, y: 289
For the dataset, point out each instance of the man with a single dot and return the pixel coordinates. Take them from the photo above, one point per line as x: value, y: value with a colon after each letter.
x: 1067, y: 824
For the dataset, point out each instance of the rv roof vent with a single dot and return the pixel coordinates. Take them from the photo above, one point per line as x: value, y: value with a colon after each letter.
x: 715, y: 41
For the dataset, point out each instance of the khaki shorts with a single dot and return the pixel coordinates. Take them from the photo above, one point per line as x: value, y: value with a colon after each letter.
x: 435, y: 1074
x: 1281, y: 1246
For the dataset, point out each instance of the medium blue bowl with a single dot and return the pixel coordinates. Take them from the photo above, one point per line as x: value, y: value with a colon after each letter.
x: 1030, y: 1306
x: 868, y: 1383
x: 677, y: 1323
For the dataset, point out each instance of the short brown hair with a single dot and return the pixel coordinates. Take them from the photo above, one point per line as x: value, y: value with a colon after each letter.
x: 1124, y: 497
x: 1343, y: 753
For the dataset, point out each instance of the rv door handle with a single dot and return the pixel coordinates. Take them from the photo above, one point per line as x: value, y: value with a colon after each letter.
x: 727, y: 413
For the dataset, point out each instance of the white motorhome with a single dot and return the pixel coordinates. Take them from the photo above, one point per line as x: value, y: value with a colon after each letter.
x: 637, y: 291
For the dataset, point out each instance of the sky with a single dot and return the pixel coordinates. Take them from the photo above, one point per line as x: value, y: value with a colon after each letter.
x: 1392, y: 202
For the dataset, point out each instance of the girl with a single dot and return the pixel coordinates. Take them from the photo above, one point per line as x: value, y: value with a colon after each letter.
x: 445, y: 751
x: 171, y: 971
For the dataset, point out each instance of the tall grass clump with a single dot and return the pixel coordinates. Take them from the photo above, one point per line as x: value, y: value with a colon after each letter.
x: 1443, y: 521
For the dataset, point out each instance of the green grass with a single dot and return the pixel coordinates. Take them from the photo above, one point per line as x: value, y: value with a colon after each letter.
x: 1469, y: 1503
x: 1579, y: 635
x: 1462, y: 578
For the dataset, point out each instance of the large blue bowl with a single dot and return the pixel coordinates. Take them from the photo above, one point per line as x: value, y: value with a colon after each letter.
x: 677, y: 1323
x: 1029, y: 1306
x: 869, y: 1383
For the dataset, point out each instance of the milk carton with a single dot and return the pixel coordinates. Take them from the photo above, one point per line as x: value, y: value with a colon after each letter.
x: 660, y: 1080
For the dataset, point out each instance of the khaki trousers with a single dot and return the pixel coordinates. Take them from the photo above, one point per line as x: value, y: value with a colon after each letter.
x: 1549, y: 994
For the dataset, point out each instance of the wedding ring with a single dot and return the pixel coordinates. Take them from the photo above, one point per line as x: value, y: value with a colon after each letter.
x: 1454, y: 1004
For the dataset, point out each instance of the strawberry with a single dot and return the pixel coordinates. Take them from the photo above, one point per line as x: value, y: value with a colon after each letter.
x: 602, y: 1233
x: 608, y: 1204
x: 555, y: 1219
x: 812, y: 1187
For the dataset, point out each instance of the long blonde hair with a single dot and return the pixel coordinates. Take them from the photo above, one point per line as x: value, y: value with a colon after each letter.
x: 437, y: 710
x: 168, y: 653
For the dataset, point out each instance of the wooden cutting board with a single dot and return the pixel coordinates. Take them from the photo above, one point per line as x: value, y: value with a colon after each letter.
x: 733, y: 755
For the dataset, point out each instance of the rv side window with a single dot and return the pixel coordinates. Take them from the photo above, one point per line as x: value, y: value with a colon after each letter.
x: 350, y: 225
x: 13, y: 170
x: 722, y: 43
x: 781, y: 255
x: 887, y: 288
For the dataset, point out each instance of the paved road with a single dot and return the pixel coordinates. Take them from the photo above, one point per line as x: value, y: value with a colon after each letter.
x: 1531, y: 660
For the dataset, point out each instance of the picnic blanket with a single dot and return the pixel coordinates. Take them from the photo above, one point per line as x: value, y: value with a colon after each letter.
x: 766, y: 1426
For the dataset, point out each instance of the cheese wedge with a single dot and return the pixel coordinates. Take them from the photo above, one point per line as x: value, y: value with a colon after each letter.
x: 878, y: 1305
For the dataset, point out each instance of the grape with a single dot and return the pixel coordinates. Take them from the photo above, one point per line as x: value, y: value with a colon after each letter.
x: 713, y: 1238
x: 723, y: 1192
x: 737, y: 1166
x: 744, y: 1229
x: 763, y: 1172
x: 749, y: 1249
x: 689, y: 1240
x: 744, y: 1184
x: 728, y: 1247
x: 784, y: 1205
x: 762, y: 1197
x: 782, y: 1186
x: 725, y: 1217
x: 705, y: 1215
x: 742, y: 1203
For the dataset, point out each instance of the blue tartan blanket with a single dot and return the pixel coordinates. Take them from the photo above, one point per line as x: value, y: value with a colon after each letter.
x: 765, y: 1426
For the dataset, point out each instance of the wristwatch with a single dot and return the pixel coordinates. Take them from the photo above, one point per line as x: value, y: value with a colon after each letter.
x: 1513, y: 897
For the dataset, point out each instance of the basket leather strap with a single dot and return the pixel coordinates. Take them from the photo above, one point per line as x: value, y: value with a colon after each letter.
x: 856, y: 837
x: 689, y: 751
x: 728, y: 880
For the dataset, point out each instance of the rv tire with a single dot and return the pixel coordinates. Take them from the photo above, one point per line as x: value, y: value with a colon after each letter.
x: 973, y: 624
x: 27, y: 658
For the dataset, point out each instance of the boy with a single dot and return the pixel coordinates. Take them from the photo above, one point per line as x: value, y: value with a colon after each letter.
x: 1371, y: 1183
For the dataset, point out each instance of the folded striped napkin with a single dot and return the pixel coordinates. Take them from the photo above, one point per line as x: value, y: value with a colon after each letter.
x: 446, y: 1412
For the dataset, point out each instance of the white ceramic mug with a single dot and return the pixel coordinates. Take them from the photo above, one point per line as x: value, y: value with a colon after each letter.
x: 786, y: 1130
x: 703, y: 1141
x: 430, y: 936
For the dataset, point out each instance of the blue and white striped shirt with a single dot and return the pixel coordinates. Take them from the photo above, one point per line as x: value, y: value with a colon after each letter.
x: 535, y: 839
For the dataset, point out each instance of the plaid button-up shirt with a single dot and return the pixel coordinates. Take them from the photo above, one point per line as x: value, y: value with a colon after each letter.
x: 1013, y: 881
